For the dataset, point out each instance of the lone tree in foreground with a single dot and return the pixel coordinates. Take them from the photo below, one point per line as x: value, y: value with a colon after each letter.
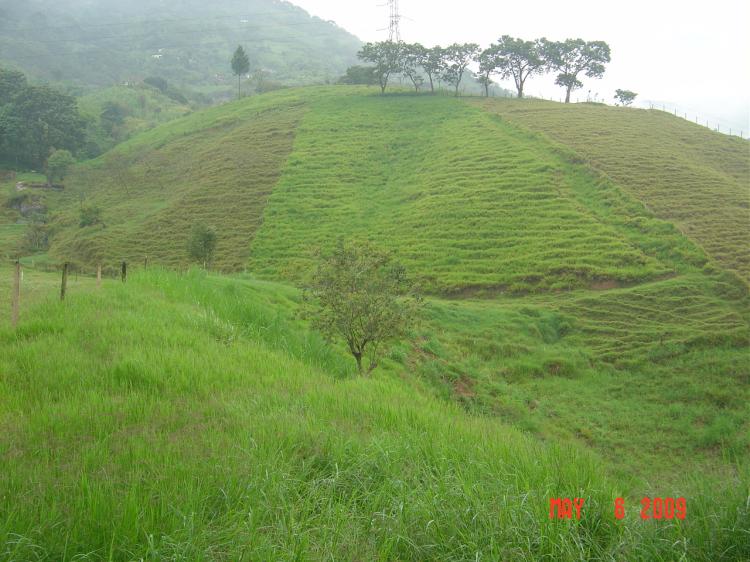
x: 202, y: 244
x: 625, y: 97
x: 360, y: 295
x: 240, y: 66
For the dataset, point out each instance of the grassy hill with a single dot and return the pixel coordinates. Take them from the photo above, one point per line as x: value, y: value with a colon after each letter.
x: 143, y: 107
x: 197, y: 419
x: 685, y: 173
x: 577, y: 339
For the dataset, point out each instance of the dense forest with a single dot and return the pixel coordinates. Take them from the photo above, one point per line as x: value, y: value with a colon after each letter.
x: 87, y: 43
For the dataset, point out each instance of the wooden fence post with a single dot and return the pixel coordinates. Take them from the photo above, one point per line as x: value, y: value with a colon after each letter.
x: 145, y: 262
x: 16, y: 294
x: 124, y: 273
x: 64, y: 285
x: 99, y: 276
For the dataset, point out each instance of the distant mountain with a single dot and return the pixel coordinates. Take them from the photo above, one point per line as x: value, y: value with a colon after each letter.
x: 189, y: 42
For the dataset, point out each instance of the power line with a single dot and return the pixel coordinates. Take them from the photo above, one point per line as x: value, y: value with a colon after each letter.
x: 394, y: 32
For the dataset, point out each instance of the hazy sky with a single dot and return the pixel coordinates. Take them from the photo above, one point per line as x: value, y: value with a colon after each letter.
x: 689, y: 55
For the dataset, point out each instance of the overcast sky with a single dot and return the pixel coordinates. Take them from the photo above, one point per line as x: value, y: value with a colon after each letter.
x: 689, y: 55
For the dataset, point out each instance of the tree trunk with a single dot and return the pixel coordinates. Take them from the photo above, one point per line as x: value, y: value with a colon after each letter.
x: 432, y: 86
x: 358, y: 357
x: 520, y: 90
x: 239, y: 86
x: 567, y: 94
x: 486, y: 89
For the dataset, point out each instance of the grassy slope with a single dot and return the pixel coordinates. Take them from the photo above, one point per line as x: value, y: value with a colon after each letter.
x: 473, y: 205
x: 652, y: 377
x: 215, y: 167
x: 683, y: 172
x: 652, y: 374
x: 468, y: 203
x: 412, y: 172
x: 268, y: 456
x: 146, y: 108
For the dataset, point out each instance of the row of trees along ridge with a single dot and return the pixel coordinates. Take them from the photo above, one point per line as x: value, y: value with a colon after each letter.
x: 510, y: 57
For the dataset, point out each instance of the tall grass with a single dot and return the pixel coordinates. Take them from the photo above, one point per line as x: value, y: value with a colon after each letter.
x: 134, y: 428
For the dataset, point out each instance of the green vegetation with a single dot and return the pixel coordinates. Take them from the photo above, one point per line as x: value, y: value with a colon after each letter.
x: 58, y: 165
x: 467, y: 202
x: 202, y: 418
x: 189, y: 43
x: 202, y: 244
x: 196, y: 419
x: 240, y: 67
x: 682, y: 172
x: 139, y: 107
x: 34, y: 121
x: 361, y: 296
x: 215, y: 167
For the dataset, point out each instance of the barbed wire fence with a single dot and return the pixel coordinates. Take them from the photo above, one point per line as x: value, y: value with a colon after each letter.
x: 67, y: 270
x: 710, y: 122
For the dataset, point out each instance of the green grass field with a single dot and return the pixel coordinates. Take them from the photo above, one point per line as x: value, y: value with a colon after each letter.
x: 193, y: 418
x: 586, y: 333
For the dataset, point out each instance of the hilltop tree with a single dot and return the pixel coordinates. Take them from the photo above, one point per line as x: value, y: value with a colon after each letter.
x: 520, y: 59
x: 58, y: 165
x: 385, y: 56
x: 240, y: 67
x: 433, y: 63
x: 202, y: 244
x: 360, y: 295
x: 412, y: 58
x: 573, y: 56
x: 625, y: 97
x: 456, y: 59
x: 489, y: 62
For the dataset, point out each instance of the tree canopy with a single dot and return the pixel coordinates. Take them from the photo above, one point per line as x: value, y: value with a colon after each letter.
x: 573, y: 57
x: 519, y: 59
x: 385, y: 58
x: 58, y: 165
x: 625, y: 97
x: 34, y: 120
x: 202, y: 244
x: 240, y: 67
x: 457, y: 58
x: 360, y: 295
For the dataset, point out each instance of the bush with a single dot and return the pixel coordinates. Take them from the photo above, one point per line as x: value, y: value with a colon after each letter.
x: 362, y: 296
x: 90, y: 216
x: 202, y: 244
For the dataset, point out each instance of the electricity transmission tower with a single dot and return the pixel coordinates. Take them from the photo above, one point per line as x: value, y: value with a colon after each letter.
x: 394, y: 34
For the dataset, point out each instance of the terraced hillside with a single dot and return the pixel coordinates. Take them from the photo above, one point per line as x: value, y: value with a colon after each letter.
x: 216, y: 167
x: 684, y: 173
x: 469, y: 204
